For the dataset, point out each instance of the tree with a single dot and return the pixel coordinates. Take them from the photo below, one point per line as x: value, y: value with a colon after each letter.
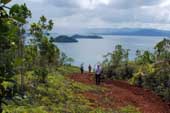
x: 20, y: 13
x: 47, y: 52
x: 145, y: 57
x: 30, y: 56
x: 153, y: 69
x: 9, y: 41
x: 65, y: 60
x: 162, y: 50
x: 116, y: 63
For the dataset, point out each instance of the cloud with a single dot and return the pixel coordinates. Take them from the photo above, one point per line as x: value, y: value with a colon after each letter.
x: 102, y: 13
x: 92, y: 4
x: 62, y: 3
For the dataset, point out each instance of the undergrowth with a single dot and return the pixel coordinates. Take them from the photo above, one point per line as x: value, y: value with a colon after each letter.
x: 57, y: 95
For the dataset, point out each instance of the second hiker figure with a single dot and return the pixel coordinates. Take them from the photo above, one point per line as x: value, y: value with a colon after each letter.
x: 90, y: 68
x: 82, y: 68
x: 98, y: 71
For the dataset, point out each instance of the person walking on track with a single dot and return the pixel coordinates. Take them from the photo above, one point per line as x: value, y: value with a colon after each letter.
x: 90, y: 68
x: 82, y: 69
x: 98, y: 74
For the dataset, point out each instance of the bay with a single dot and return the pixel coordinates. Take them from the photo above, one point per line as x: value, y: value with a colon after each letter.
x: 91, y: 51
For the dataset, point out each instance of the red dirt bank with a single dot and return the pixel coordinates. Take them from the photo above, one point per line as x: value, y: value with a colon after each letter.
x: 120, y: 94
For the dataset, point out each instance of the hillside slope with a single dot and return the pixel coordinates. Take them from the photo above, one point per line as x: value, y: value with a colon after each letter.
x: 121, y: 94
x: 59, y: 94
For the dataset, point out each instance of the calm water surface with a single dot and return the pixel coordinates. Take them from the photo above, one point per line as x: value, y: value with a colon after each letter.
x: 91, y: 51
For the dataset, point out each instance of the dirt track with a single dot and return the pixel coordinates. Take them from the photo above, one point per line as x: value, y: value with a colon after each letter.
x: 120, y: 94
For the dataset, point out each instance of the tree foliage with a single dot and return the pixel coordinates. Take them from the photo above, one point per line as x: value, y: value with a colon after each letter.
x: 116, y: 64
x: 149, y: 70
x: 162, y: 50
x: 9, y: 42
x: 154, y: 70
x: 46, y: 49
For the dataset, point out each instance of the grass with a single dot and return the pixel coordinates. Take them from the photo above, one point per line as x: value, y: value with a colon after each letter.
x: 58, y: 95
x: 129, y: 109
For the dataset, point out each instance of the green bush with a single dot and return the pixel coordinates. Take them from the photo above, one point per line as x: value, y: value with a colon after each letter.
x: 156, y: 79
x: 129, y: 109
x: 41, y: 73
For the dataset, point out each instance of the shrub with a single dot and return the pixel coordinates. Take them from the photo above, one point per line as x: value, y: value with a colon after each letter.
x: 41, y: 74
x: 156, y: 79
x: 129, y: 109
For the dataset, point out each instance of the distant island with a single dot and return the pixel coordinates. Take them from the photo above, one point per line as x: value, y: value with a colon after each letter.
x: 65, y: 39
x: 86, y: 36
x: 73, y: 39
x: 129, y: 31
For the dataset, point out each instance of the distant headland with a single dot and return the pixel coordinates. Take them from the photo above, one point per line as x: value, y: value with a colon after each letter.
x: 86, y: 36
x: 65, y: 39
x: 73, y: 39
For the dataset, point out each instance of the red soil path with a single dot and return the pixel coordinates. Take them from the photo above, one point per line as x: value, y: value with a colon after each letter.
x: 120, y: 94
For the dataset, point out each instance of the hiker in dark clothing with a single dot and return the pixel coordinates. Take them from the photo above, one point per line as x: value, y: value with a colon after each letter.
x: 82, y: 69
x: 98, y: 74
x: 90, y: 68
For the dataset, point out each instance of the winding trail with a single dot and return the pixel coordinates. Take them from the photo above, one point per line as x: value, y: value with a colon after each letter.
x: 120, y: 94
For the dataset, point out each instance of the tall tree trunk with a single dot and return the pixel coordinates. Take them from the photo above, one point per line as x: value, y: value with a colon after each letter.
x: 21, y: 56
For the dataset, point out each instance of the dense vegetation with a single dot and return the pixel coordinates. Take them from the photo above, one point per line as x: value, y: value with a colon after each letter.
x: 149, y: 70
x: 33, y: 77
x: 17, y: 59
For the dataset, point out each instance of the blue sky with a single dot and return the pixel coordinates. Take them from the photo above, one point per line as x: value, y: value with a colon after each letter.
x: 77, y: 14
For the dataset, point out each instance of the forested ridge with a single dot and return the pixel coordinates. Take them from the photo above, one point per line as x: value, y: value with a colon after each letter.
x: 38, y: 78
